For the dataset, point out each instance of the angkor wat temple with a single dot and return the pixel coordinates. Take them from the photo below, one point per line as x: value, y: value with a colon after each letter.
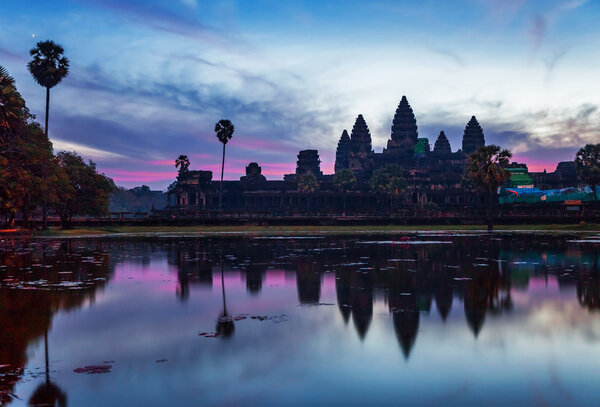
x: 433, y: 176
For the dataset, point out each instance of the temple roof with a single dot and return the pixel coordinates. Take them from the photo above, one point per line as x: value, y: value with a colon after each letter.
x: 473, y: 137
x: 442, y: 145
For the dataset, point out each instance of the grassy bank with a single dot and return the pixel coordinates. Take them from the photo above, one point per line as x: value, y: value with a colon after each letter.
x: 297, y: 230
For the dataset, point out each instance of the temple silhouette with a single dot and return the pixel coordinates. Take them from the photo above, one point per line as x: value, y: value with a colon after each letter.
x: 433, y: 175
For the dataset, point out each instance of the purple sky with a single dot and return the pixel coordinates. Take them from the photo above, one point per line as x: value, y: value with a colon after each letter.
x: 150, y: 78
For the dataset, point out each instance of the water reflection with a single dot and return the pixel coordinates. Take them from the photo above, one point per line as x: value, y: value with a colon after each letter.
x: 392, y: 286
x: 40, y: 280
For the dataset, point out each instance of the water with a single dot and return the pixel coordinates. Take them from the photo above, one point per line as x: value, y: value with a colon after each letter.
x: 421, y: 319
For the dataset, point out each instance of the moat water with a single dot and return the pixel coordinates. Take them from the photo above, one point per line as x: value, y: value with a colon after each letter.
x: 416, y: 319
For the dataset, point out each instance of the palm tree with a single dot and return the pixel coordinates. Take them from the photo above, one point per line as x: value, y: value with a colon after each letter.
x: 587, y: 162
x: 183, y: 163
x: 224, y: 129
x: 48, y: 67
x: 344, y: 181
x: 388, y: 181
x: 486, y: 170
x: 308, y: 184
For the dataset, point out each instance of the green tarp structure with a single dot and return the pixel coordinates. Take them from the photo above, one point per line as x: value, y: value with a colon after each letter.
x: 422, y: 147
x: 519, y: 177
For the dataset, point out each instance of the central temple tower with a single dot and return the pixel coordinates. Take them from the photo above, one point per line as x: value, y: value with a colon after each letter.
x: 404, y: 130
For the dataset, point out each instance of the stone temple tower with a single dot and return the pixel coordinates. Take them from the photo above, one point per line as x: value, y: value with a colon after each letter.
x: 361, y: 151
x: 473, y: 137
x: 404, y: 130
x: 308, y: 161
x: 360, y: 139
x: 442, y: 145
x: 342, y: 154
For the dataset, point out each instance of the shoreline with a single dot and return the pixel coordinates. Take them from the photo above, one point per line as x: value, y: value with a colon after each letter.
x: 191, y: 231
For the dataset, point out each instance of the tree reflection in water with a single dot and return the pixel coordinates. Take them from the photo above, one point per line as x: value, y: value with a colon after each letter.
x: 43, y: 275
x: 474, y: 276
x: 48, y: 393
x: 480, y: 273
x: 225, y: 325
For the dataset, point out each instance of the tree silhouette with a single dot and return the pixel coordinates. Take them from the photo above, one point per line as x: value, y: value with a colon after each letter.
x: 48, y: 67
x: 388, y: 181
x: 344, y: 181
x: 183, y: 163
x: 486, y: 171
x: 308, y: 184
x: 224, y: 129
x: 83, y: 191
x: 12, y: 107
x: 587, y: 162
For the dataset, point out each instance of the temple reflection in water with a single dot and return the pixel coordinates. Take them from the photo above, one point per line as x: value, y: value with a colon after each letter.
x: 409, y: 279
x: 397, y: 285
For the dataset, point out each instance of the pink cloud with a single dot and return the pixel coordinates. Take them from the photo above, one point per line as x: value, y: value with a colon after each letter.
x: 141, y: 176
x: 161, y: 162
x: 536, y: 165
x: 262, y: 145
x: 171, y: 162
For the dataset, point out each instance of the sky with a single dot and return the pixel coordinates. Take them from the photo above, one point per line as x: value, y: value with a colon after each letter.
x: 150, y: 78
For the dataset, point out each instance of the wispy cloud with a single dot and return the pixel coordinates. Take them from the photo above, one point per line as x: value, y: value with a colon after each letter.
x: 151, y: 14
x: 88, y: 152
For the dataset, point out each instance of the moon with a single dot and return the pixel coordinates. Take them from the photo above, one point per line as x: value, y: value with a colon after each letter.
x: 32, y: 35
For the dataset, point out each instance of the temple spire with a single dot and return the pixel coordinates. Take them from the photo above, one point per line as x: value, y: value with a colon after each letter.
x: 442, y: 145
x: 360, y: 139
x: 473, y: 137
x: 404, y: 129
x: 343, y: 152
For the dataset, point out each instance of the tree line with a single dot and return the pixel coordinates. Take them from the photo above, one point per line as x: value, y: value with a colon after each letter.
x: 33, y: 179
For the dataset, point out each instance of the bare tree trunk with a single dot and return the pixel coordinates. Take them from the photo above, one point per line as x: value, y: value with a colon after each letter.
x: 221, y: 184
x: 44, y: 216
x: 47, y: 110
x: 491, y: 212
x: 223, y: 287
x: 26, y: 212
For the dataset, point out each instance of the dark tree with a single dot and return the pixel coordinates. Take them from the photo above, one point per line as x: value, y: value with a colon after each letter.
x: 486, y: 171
x: 587, y: 162
x: 13, y: 112
x: 83, y: 191
x: 48, y: 67
x: 224, y: 129
x: 183, y: 163
x: 308, y: 184
x: 388, y: 181
x: 344, y: 181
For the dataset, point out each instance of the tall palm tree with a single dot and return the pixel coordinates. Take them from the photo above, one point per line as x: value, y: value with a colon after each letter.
x: 48, y: 67
x: 486, y: 170
x: 224, y: 129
